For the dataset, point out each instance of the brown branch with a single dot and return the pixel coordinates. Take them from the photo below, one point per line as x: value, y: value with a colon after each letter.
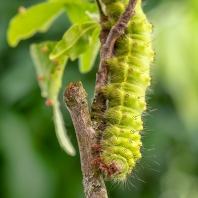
x: 117, y: 30
x: 108, y: 39
x: 75, y: 101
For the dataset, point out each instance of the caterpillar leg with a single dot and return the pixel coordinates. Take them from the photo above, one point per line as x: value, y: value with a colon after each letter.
x: 108, y: 169
x: 97, y: 147
x: 111, y: 169
x: 97, y: 160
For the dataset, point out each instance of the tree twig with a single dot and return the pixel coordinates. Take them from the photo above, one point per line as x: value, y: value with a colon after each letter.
x: 108, y: 39
x: 117, y: 30
x: 75, y: 101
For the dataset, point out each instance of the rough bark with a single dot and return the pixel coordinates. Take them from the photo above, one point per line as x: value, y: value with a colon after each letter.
x: 76, y: 103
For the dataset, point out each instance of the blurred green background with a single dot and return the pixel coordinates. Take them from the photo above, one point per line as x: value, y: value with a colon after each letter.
x: 32, y: 164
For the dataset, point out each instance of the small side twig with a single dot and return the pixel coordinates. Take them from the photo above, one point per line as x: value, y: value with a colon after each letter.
x: 75, y: 101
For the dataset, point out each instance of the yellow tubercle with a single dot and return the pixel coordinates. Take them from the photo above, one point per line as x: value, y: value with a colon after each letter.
x: 139, y: 1
x: 52, y: 76
x: 150, y: 26
x: 138, y: 156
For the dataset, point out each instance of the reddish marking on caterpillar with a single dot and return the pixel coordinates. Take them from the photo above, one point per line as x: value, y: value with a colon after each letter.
x: 130, y: 69
x: 127, y: 95
x: 108, y: 175
x: 110, y: 169
x: 97, y: 160
x: 58, y: 68
x: 103, y: 166
x: 97, y: 147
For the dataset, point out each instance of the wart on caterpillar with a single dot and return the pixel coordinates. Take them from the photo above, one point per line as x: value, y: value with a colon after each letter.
x: 130, y: 69
x: 58, y: 68
x: 126, y: 95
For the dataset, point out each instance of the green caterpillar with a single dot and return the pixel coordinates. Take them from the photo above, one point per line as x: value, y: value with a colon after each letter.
x: 128, y: 79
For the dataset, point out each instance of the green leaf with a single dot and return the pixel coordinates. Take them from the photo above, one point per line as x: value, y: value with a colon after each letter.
x: 50, y: 79
x: 61, y: 132
x: 49, y: 72
x: 75, y: 41
x: 67, y: 1
x: 86, y: 12
x: 34, y: 19
x: 87, y: 59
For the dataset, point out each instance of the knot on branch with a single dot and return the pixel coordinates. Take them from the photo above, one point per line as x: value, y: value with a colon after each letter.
x: 74, y: 94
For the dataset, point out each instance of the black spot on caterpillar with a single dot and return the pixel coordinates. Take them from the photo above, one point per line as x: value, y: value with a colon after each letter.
x: 128, y: 80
